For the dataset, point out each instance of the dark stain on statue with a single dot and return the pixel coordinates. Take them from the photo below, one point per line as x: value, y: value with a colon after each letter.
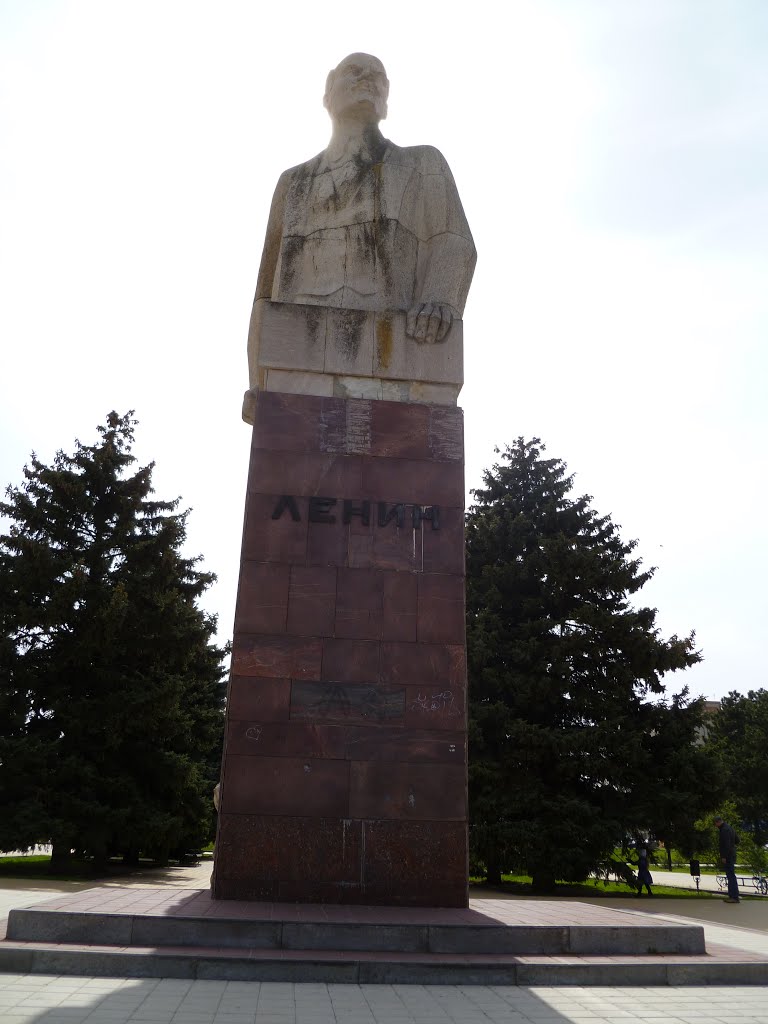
x: 349, y: 331
x: 292, y: 247
x: 298, y: 195
x: 313, y: 316
x: 381, y: 226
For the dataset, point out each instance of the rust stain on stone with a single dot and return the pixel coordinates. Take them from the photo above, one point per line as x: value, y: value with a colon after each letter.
x: 384, y: 341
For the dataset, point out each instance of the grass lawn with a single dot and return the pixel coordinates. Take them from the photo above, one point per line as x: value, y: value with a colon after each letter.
x: 38, y: 866
x: 520, y: 885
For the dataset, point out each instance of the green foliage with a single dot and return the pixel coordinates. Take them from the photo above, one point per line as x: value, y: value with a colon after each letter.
x: 705, y: 834
x: 684, y: 780
x: 751, y: 854
x: 568, y: 752
x: 110, y: 683
x: 738, y: 735
x: 594, y: 888
x: 615, y: 867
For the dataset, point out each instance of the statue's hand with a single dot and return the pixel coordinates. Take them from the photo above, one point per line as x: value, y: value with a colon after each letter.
x: 429, y: 321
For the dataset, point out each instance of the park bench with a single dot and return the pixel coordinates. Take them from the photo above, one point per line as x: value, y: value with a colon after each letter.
x: 757, y: 882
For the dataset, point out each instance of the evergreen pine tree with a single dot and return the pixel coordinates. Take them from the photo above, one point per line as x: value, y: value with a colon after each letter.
x: 561, y: 669
x: 110, y: 683
x: 738, y: 735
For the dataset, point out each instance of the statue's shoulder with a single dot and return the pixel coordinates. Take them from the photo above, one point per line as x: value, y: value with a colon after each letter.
x: 300, y: 171
x: 426, y: 159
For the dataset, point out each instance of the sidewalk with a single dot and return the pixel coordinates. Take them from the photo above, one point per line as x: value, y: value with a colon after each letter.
x: 683, y: 880
x: 42, y: 999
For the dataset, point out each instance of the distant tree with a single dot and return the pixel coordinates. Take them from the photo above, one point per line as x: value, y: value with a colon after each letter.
x: 738, y: 734
x: 684, y: 780
x: 751, y: 855
x: 110, y: 683
x: 560, y: 666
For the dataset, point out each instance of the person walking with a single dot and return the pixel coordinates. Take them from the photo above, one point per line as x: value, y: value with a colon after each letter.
x: 727, y: 841
x: 644, y: 877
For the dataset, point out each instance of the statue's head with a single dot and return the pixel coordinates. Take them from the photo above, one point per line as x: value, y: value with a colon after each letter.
x: 358, y: 83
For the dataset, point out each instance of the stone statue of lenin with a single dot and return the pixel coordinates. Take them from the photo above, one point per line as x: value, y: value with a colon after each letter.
x: 366, y: 224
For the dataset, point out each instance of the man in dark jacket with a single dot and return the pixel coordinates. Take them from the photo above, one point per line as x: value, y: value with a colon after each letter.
x: 728, y: 858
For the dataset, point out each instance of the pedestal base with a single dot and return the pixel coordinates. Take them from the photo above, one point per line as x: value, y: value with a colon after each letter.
x: 344, y: 773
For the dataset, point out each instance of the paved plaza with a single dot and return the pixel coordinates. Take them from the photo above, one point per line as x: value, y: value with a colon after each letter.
x: 49, y: 999
x: 67, y: 1000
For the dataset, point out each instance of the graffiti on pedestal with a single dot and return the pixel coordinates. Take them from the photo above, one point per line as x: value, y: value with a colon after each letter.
x: 346, y: 702
x: 435, y: 704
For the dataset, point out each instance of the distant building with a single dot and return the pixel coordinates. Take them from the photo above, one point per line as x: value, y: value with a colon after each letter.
x: 711, y: 708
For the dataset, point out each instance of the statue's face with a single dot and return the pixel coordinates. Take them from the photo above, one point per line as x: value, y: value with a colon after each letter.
x: 358, y: 83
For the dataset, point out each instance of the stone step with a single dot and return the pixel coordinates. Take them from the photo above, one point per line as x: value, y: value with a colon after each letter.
x: 723, y: 967
x: 625, y: 935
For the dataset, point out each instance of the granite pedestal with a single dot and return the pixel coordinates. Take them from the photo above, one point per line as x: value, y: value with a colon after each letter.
x: 344, y: 770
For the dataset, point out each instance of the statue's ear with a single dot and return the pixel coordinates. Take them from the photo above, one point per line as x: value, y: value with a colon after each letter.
x: 328, y: 86
x: 384, y: 104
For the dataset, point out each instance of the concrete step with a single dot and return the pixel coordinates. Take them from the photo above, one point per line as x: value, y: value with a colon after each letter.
x: 720, y: 967
x: 628, y: 934
x: 162, y: 933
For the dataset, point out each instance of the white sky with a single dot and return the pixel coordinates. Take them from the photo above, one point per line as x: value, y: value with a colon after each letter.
x: 612, y: 158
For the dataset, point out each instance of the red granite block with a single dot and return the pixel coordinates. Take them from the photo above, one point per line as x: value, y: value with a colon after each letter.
x: 400, y: 430
x: 305, y: 473
x: 359, y: 542
x: 427, y: 853
x: 280, y: 425
x: 421, y: 792
x: 252, y: 698
x: 426, y: 665
x: 396, y: 547
x: 251, y: 848
x: 446, y: 434
x: 347, y: 702
x: 426, y: 483
x: 357, y: 429
x: 311, y: 601
x: 443, y: 549
x: 394, y: 743
x: 399, y: 606
x: 263, y: 889
x: 351, y: 661
x: 327, y: 543
x: 299, y: 423
x: 441, y: 609
x: 277, y: 656
x: 359, y: 599
x: 423, y: 892
x: 285, y: 785
x: 362, y: 516
x: 436, y: 707
x: 306, y: 890
x: 285, y: 739
x: 262, y: 598
x: 272, y: 540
